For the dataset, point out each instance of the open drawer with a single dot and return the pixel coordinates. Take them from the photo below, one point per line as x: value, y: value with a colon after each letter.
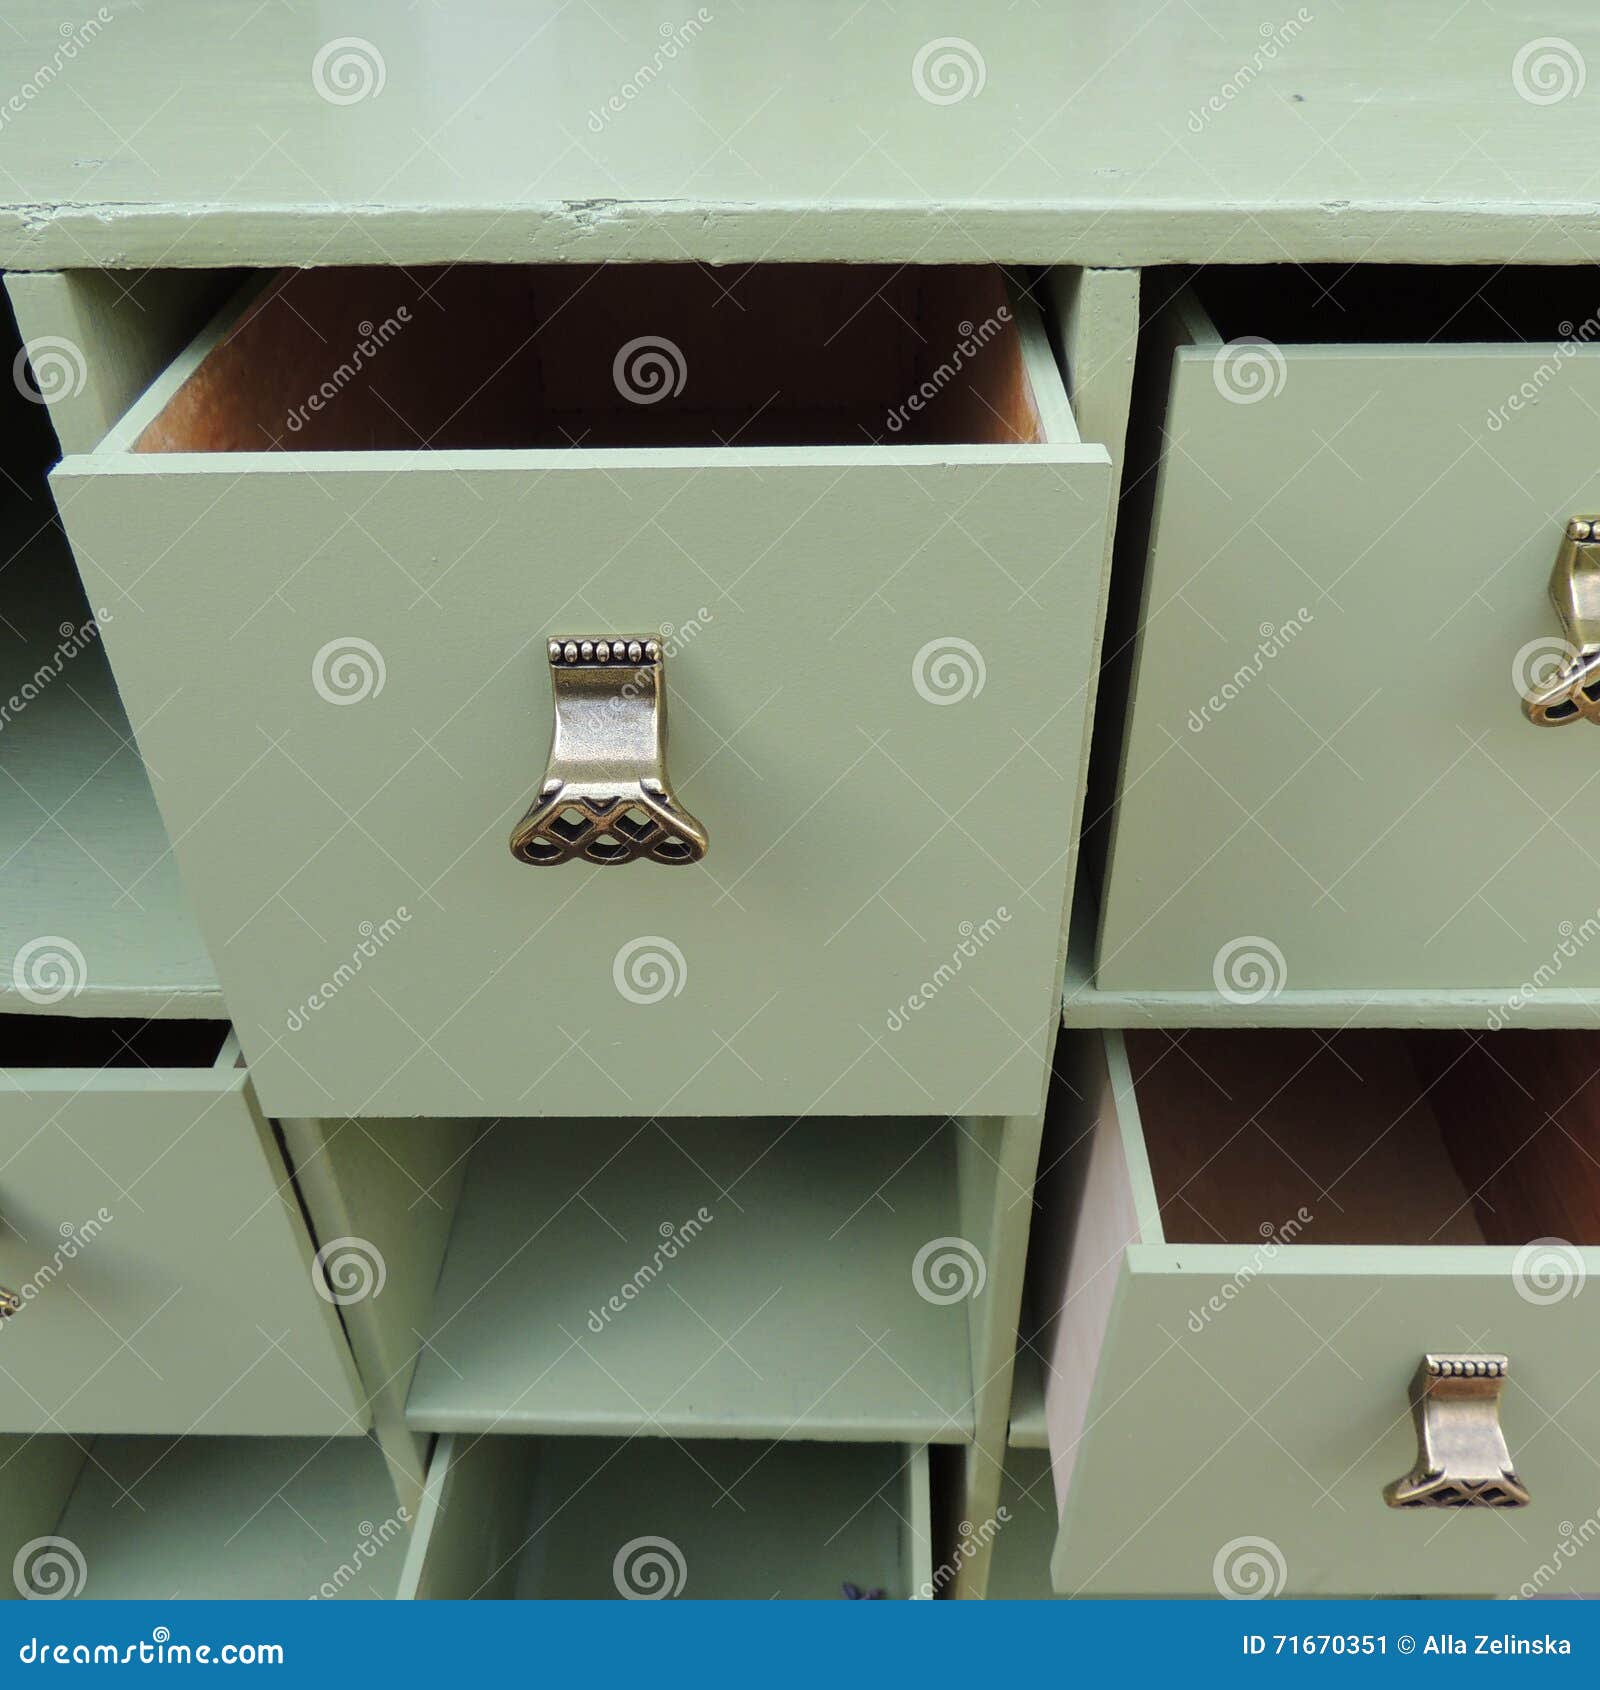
x: 1361, y: 481
x: 1251, y: 1242
x: 151, y: 1244
x: 129, y: 1518
x: 651, y: 1518
x: 848, y: 504
x: 761, y: 1279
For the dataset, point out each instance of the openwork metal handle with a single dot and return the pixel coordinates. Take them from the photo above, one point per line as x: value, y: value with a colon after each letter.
x: 1462, y: 1459
x: 605, y: 796
x: 1572, y: 693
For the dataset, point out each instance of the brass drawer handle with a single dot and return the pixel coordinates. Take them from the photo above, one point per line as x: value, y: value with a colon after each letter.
x: 10, y: 1302
x: 605, y: 795
x: 1572, y: 693
x: 1462, y: 1459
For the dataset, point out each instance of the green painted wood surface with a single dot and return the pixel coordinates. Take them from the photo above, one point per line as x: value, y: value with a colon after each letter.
x: 1370, y: 799
x: 1284, y: 1415
x: 163, y: 1262
x: 861, y: 835
x: 237, y: 1519
x: 583, y: 1292
x: 1063, y: 133
x: 87, y: 867
x: 1019, y: 1559
x: 589, y: 1518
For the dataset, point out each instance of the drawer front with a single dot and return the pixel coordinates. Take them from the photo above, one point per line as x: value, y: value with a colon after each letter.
x: 878, y: 669
x: 1342, y: 575
x: 1246, y: 1415
x: 164, y: 1269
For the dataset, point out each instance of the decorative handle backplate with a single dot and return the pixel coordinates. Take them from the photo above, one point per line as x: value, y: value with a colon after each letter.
x: 1462, y: 1459
x: 605, y: 795
x: 1572, y: 693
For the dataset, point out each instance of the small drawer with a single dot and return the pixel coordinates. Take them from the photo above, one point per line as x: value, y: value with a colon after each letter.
x: 851, y: 505
x: 1328, y: 781
x: 751, y: 1279
x: 1250, y: 1244
x: 151, y: 1242
x: 651, y: 1518
x: 163, y: 1519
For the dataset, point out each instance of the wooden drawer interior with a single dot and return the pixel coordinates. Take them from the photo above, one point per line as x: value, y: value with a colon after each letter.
x: 557, y: 356
x: 731, y: 1278
x: 653, y: 1518
x: 1370, y: 1137
x: 117, y: 1518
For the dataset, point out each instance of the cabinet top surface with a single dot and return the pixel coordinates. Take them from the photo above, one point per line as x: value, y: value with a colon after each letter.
x: 194, y: 132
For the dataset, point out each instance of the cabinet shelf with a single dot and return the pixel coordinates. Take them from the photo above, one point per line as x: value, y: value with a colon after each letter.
x: 84, y: 860
x: 581, y: 1290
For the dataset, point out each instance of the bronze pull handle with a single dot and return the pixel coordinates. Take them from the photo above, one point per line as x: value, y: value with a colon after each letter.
x: 1462, y: 1459
x: 605, y: 795
x: 1572, y: 692
x: 10, y: 1302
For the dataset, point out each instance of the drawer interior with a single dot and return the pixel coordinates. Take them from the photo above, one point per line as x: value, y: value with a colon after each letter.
x: 1386, y: 304
x: 748, y: 1279
x: 555, y: 356
x: 71, y: 1042
x: 1370, y: 1137
x: 117, y: 1518
x: 603, y: 1519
